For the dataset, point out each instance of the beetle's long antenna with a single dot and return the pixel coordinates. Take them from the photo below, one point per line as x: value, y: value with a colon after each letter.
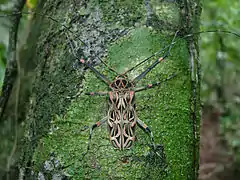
x: 67, y: 28
x: 212, y: 31
x: 143, y: 74
x: 184, y: 37
x: 156, y: 53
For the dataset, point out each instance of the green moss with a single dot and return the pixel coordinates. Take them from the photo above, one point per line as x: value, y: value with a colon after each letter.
x: 165, y: 109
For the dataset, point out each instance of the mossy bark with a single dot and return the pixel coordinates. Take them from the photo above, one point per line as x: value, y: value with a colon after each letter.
x: 122, y: 33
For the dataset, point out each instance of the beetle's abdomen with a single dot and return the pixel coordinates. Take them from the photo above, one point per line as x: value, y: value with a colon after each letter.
x: 122, y: 119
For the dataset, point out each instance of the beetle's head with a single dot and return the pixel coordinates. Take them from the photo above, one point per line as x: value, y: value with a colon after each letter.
x: 121, y: 82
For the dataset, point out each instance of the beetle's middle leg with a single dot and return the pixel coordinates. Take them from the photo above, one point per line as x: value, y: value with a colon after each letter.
x: 149, y: 86
x: 97, y: 124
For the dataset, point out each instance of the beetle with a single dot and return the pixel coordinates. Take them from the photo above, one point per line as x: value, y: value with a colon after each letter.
x: 122, y: 116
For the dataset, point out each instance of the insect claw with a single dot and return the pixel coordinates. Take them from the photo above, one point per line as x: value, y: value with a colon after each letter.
x: 83, y: 155
x: 156, y: 149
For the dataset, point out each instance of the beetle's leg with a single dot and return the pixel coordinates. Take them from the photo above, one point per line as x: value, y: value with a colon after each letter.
x: 96, y: 93
x: 146, y: 129
x: 143, y: 74
x: 97, y: 124
x: 149, y: 86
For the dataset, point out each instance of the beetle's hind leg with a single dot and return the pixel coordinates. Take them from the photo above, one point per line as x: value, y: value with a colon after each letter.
x: 143, y: 126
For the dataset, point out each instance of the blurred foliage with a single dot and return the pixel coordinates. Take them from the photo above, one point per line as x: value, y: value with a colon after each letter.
x: 31, y: 4
x: 224, y: 15
x: 219, y: 53
x: 230, y: 129
x: 6, y: 5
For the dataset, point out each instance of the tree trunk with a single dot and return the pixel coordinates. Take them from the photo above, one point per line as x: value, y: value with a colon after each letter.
x: 121, y: 33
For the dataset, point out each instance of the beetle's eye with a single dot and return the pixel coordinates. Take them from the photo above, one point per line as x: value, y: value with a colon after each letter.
x: 117, y: 82
x: 124, y: 83
x: 113, y: 85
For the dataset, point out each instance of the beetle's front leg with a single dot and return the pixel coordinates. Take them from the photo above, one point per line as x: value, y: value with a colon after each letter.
x: 101, y: 93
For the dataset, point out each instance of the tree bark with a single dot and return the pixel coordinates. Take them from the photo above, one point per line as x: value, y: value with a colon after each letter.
x: 122, y: 33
